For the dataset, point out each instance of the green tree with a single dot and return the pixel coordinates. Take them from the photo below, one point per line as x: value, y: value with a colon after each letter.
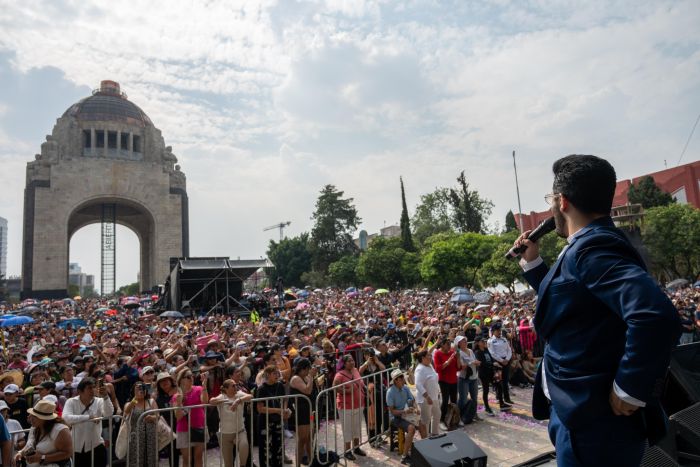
x: 335, y: 219
x: 3, y: 287
x: 510, y: 222
x: 406, y: 238
x: 647, y: 193
x: 469, y: 210
x: 410, y: 269
x: 380, y: 265
x: 453, y: 260
x: 291, y: 258
x: 671, y: 235
x: 314, y: 279
x: 73, y: 290
x: 432, y: 216
x: 342, y: 272
x: 126, y: 290
x: 499, y: 270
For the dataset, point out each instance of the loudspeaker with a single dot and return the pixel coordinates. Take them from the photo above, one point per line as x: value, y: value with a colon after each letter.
x: 452, y: 449
x: 683, y: 381
x: 685, y: 425
x: 548, y: 459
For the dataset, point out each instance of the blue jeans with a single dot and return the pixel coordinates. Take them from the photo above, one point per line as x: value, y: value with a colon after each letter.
x: 467, y: 386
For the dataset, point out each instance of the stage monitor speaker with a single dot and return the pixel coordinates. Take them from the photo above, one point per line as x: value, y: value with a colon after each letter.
x: 657, y: 457
x: 685, y: 425
x: 451, y: 449
x: 683, y: 381
x: 548, y: 459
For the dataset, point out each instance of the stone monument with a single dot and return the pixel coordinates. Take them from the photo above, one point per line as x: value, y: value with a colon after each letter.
x: 104, y: 155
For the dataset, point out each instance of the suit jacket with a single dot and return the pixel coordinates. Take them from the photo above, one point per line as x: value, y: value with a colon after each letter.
x: 604, y: 320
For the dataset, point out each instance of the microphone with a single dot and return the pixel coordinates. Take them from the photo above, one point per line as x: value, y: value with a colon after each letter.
x: 540, y: 231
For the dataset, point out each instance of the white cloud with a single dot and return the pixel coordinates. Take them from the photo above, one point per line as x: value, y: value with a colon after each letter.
x: 265, y: 101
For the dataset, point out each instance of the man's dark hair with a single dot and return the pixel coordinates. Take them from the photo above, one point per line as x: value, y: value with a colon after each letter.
x: 85, y: 382
x: 587, y: 181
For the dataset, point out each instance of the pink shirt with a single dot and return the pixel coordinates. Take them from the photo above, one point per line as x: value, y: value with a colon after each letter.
x: 353, y: 399
x: 196, y: 415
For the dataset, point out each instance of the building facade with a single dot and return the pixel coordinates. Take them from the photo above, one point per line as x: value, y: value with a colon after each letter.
x: 682, y: 182
x: 84, y: 282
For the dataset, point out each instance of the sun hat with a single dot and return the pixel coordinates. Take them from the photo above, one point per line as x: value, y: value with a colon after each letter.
x: 395, y: 374
x: 459, y: 339
x: 4, y: 406
x: 164, y: 375
x: 44, y: 410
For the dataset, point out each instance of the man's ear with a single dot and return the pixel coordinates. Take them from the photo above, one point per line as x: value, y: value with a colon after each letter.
x: 564, y: 203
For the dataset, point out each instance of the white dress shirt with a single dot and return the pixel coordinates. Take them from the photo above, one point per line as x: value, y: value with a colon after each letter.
x: 87, y: 435
x: 426, y: 379
x: 529, y: 265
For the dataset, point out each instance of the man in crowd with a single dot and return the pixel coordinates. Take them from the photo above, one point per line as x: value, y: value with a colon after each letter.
x: 500, y: 350
x: 401, y: 403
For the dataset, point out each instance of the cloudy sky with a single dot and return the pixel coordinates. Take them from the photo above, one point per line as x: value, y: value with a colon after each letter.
x: 266, y: 101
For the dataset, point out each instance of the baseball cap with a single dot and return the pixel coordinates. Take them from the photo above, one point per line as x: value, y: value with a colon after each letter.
x: 11, y: 389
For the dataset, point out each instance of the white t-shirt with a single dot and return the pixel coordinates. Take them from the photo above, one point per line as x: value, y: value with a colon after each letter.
x: 231, y: 421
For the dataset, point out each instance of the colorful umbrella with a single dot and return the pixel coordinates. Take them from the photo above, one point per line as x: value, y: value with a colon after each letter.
x: 172, y: 314
x: 16, y: 321
x: 75, y: 322
x: 111, y: 312
x: 461, y: 298
x: 368, y: 289
x: 380, y: 291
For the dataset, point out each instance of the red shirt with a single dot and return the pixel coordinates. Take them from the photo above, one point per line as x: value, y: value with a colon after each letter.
x: 449, y: 373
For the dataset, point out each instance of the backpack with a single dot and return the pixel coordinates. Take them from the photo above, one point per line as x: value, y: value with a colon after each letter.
x: 468, y: 412
x: 452, y: 417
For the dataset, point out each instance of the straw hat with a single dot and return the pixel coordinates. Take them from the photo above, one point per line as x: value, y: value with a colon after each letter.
x: 44, y: 410
x: 164, y: 375
x: 395, y: 374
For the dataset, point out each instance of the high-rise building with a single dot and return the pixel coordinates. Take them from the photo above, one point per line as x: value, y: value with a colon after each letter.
x: 3, y: 247
x: 77, y: 277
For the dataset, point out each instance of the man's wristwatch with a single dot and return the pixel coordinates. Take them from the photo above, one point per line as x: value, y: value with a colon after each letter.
x: 43, y: 459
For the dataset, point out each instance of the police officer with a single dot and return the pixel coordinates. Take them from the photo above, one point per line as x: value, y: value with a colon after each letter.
x: 500, y: 350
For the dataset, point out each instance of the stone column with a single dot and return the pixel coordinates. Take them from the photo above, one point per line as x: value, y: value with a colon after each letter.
x: 131, y: 145
x: 93, y: 143
x: 105, y: 143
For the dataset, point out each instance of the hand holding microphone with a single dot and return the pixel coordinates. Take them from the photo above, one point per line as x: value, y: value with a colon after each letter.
x: 525, y: 245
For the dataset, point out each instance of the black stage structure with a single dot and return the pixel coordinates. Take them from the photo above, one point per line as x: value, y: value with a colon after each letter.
x: 208, y: 285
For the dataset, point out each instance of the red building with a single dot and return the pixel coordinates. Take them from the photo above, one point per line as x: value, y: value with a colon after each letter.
x: 683, y: 182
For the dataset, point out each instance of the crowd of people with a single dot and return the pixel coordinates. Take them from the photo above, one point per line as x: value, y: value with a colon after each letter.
x: 60, y: 383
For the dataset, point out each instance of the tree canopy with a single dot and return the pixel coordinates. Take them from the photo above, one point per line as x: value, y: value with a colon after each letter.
x: 432, y: 216
x: 510, y: 222
x: 335, y: 220
x: 647, y: 193
x: 671, y: 235
x: 291, y: 258
x: 469, y: 210
x: 406, y: 237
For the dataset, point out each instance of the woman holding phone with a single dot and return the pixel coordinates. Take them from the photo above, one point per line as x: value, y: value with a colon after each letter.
x: 143, y: 443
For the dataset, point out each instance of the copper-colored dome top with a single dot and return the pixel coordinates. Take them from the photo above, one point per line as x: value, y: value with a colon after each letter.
x: 108, y: 104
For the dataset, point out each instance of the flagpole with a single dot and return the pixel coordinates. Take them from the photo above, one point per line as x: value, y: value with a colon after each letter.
x: 517, y: 190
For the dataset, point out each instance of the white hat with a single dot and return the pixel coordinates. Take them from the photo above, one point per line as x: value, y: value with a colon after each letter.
x: 395, y: 374
x: 4, y: 406
x: 11, y: 389
x: 459, y: 339
x: 44, y: 410
x: 50, y: 398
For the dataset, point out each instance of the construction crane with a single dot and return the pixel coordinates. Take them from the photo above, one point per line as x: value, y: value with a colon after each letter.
x: 280, y: 226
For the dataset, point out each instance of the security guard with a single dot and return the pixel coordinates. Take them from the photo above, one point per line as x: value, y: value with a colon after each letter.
x: 500, y: 350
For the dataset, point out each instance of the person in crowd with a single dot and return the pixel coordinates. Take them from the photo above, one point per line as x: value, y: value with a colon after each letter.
x: 500, y: 350
x: 401, y: 402
x: 529, y: 364
x: 13, y: 426
x: 374, y: 411
x: 468, y: 382
x: 302, y: 385
x: 50, y: 441
x: 67, y: 387
x: 84, y: 414
x: 350, y: 399
x: 36, y: 377
x: 166, y: 389
x: 486, y: 372
x: 427, y: 394
x: 272, y: 412
x: 143, y: 444
x: 191, y: 432
x: 232, y: 432
x: 17, y: 405
x: 446, y: 364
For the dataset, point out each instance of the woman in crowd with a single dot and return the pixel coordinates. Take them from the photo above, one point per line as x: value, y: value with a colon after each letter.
x: 349, y: 401
x: 302, y: 385
x: 49, y: 440
x: 190, y: 422
x: 529, y: 364
x: 232, y: 432
x: 143, y: 443
x: 486, y: 370
x: 446, y: 363
x: 375, y: 405
x: 272, y: 412
x: 468, y: 382
x: 427, y: 394
x: 165, y: 391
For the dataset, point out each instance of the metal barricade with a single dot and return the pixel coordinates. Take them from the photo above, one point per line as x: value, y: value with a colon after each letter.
x: 266, y: 430
x: 345, y: 422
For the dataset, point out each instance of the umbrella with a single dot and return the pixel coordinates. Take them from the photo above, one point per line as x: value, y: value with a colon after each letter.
x: 318, y: 290
x: 303, y: 293
x: 145, y: 300
x: 302, y: 306
x: 380, y: 291
x: 111, y: 312
x: 697, y: 284
x: 75, y: 322
x: 350, y: 289
x: 482, y: 297
x: 461, y: 298
x: 289, y: 296
x: 677, y: 284
x: 172, y: 314
x: 368, y: 289
x: 481, y: 307
x: 131, y: 305
x: 16, y: 321
x: 267, y: 290
x: 101, y: 309
x: 457, y: 289
x: 353, y: 294
x: 30, y: 309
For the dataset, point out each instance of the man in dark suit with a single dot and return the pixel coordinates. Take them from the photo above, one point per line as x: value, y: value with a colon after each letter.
x: 609, y: 329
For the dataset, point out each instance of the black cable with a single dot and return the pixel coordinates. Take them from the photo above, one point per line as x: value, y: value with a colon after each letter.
x: 689, y: 137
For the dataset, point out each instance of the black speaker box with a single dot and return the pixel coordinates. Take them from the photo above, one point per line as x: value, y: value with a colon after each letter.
x: 548, y: 459
x: 452, y: 449
x: 683, y: 381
